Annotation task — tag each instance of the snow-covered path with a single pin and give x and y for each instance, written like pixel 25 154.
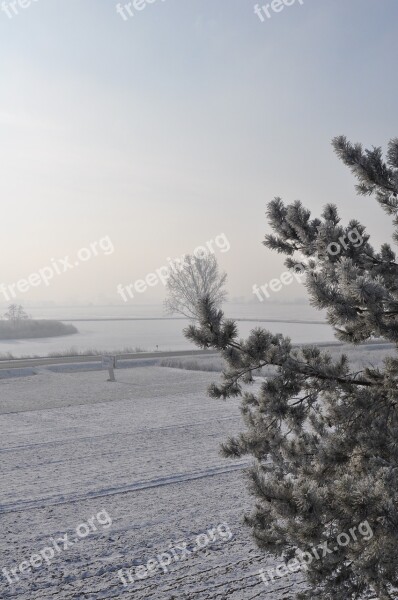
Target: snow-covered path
pixel 146 451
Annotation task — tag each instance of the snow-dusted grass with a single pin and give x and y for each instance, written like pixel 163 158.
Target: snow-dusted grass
pixel 366 355
pixel 359 356
pixel 72 351
pixel 146 450
pixel 211 364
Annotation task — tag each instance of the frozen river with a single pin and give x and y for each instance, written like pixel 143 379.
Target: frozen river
pixel 148 328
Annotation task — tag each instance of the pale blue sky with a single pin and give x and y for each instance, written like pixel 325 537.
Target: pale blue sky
pixel 178 125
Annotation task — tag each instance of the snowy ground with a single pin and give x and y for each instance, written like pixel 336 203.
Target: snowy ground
pixel 146 451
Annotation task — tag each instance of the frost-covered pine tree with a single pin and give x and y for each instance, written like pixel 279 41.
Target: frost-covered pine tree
pixel 323 437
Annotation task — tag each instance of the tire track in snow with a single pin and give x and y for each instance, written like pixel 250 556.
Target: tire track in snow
pixel 135 487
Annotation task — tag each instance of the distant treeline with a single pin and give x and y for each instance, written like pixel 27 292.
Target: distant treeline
pixel 32 328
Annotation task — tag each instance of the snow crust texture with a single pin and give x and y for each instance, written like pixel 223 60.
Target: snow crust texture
pixel 146 451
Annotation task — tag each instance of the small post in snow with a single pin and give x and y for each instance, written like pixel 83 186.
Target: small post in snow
pixel 109 362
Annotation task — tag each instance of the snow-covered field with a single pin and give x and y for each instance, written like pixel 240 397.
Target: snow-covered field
pixel 146 451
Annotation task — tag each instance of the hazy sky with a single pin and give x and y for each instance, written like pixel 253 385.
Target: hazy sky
pixel 177 125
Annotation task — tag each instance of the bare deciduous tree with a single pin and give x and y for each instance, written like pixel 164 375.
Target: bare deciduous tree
pixel 193 281
pixel 16 314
